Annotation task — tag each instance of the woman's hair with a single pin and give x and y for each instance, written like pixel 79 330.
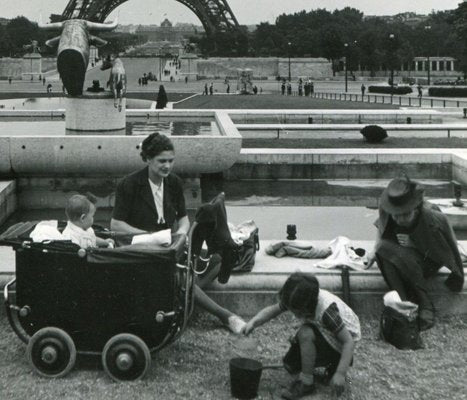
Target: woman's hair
pixel 154 145
pixel 79 205
pixel 300 293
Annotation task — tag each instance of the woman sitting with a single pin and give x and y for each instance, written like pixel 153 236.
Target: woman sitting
pixel 414 242
pixel 152 200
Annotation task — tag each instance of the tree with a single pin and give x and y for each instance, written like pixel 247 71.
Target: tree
pixel 20 32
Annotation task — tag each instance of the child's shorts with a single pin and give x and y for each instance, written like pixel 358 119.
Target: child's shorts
pixel 326 355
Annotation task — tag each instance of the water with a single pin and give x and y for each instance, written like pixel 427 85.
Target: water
pixel 36 103
pixel 58 103
pixel 145 127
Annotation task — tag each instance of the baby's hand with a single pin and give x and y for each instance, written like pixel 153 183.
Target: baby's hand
pixel 110 243
pixel 248 328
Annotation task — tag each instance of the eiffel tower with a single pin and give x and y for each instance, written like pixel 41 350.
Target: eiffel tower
pixel 215 15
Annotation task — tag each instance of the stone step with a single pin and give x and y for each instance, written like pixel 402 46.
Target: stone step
pixel 246 293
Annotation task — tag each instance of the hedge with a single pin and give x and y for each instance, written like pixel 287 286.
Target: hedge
pixel 447 92
pixel 387 89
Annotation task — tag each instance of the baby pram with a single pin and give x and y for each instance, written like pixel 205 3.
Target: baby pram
pixel 122 304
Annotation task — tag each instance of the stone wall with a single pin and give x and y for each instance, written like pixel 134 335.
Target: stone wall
pixel 10 67
pixel 269 67
pixel 13 66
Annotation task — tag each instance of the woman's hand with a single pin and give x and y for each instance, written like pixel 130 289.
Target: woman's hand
pixel 338 383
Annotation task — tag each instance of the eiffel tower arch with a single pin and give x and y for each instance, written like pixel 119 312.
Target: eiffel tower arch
pixel 215 15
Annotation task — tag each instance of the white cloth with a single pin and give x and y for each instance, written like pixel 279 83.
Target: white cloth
pixel 242 231
pixel 83 238
pixel 342 254
pixel 158 195
pixel 46 230
pixel 161 238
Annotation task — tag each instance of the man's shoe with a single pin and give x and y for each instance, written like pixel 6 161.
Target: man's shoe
pixel 235 324
pixel 297 390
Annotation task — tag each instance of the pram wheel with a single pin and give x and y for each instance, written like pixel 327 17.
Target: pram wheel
pixel 51 352
pixel 126 357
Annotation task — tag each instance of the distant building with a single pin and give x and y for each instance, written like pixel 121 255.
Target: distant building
pixel 168 32
pixel 126 28
pixel 407 18
pixel 4 21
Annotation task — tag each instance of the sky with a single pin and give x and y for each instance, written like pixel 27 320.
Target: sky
pixel 247 12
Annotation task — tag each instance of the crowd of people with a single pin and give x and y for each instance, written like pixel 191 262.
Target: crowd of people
pixel 306 88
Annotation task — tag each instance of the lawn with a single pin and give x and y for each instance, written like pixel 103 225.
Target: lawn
pixel 196 367
pixel 273 102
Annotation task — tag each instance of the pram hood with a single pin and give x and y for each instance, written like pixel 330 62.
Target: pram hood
pixel 126 253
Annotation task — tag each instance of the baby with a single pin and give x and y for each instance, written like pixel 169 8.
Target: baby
pixel 80 212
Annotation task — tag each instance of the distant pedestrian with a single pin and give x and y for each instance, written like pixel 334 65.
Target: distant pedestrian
pixel 43 81
pixel 211 88
pixel 255 89
pixel 49 88
pixel 312 88
pixel 9 80
pixel 205 89
pixel 420 91
pixel 139 81
pixel 161 101
pixel 300 89
pixel 363 88
pixel 228 88
pixel 289 89
pixel 186 79
pixel 283 88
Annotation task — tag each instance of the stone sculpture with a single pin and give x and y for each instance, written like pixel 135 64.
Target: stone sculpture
pixel 73 49
pixel 117 79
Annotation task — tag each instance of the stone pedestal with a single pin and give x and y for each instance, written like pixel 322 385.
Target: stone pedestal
pixel 94 112
pixel 31 66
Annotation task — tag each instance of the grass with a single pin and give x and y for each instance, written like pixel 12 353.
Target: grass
pixel 272 102
pixel 196 366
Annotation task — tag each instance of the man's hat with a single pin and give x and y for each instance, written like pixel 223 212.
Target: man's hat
pixel 401 196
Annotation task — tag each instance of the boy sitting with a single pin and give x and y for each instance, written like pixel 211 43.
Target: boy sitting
pixel 326 337
pixel 80 212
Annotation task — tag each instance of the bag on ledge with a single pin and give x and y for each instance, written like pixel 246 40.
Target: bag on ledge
pixel 246 253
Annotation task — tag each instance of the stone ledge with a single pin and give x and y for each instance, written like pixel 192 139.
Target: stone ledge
pixel 246 293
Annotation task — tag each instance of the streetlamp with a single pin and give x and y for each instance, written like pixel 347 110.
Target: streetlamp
pixel 391 38
pixel 427 29
pixel 346 46
pixel 288 53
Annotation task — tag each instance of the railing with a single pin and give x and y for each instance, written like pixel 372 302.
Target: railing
pixel 394 99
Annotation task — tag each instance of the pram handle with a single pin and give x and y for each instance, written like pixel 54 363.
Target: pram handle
pixel 6 290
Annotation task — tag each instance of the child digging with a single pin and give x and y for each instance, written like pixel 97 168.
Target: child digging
pixel 326 337
pixel 80 212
